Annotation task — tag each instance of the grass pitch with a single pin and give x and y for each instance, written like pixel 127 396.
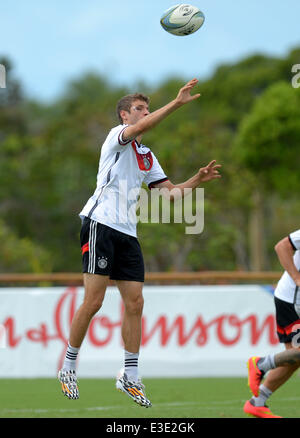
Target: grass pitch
pixel 171 398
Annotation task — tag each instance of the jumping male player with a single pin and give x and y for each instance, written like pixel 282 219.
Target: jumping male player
pixel 281 366
pixel 108 237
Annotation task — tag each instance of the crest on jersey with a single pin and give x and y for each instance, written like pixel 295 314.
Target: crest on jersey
pixel 144 157
pixel 147 163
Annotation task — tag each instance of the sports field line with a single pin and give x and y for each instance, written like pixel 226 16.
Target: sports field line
pixel 108 408
pixel 101 408
pixel 158 405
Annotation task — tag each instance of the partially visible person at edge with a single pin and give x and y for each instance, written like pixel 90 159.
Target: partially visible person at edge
pixel 279 367
pixel 109 243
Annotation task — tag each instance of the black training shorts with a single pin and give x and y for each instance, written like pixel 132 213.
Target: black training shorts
pixel 287 320
pixel 106 251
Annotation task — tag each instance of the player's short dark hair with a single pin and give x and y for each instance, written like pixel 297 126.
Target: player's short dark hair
pixel 126 102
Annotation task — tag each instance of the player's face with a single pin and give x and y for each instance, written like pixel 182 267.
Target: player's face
pixel 138 110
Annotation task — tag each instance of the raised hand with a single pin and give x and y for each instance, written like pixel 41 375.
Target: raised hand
pixel 184 94
pixel 209 172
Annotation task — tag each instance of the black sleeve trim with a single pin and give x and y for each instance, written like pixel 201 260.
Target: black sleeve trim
pixel 121 142
pixel 291 242
pixel 151 185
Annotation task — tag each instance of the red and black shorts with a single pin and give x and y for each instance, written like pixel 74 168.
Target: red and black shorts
pixel 286 319
pixel 106 251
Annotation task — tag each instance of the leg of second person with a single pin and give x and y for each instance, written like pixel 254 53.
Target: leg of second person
pixel 278 376
pixel 275 378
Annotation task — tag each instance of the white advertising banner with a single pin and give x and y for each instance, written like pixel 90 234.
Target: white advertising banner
pixel 186 331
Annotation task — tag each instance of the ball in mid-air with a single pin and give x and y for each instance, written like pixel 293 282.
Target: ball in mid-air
pixel 182 19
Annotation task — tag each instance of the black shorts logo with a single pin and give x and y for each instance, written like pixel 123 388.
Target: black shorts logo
pixel 102 262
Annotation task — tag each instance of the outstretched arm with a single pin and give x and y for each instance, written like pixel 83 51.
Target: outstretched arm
pixel 151 120
pixel 205 174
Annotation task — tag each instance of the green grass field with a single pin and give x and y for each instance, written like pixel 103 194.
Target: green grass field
pixel 171 398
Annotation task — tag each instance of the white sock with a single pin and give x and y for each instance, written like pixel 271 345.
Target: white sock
pixel 264 394
pixel 131 365
pixel 266 363
pixel 70 358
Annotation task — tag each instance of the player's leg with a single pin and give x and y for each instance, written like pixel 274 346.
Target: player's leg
pixel 128 382
pixel 95 287
pixel 129 272
pixel 278 376
pixel 97 260
pixel 279 367
pixel 94 292
pixel 275 378
pixel 132 296
pixel 287 327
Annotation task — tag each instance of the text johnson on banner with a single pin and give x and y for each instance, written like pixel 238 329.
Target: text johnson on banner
pixel 198 331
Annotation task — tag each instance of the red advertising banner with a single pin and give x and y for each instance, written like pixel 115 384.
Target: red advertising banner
pixel 186 331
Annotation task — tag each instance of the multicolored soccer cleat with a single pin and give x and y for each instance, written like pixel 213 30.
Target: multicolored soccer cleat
pixel 254 375
pixel 258 411
pixel 135 390
pixel 68 382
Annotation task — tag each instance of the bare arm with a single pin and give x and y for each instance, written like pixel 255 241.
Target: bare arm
pixel 285 253
pixel 151 120
pixel 204 174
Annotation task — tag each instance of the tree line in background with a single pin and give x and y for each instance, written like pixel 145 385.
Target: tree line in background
pixel 248 119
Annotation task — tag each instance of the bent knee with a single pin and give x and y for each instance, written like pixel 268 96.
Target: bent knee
pixel 135 306
pixel 92 307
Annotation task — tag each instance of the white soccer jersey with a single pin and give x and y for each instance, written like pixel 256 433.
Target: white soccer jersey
pixel 286 289
pixel 123 167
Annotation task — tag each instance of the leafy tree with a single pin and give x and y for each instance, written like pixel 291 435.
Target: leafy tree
pixel 267 145
pixel 246 119
pixel 21 254
pixel 269 137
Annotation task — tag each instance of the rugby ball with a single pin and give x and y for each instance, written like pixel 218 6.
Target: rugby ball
pixel 182 19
